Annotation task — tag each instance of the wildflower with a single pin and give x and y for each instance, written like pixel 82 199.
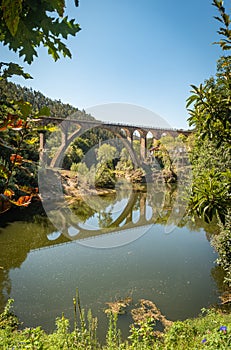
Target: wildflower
pixel 223 329
pixel 204 340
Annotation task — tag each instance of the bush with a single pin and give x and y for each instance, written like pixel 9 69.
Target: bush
pixel 105 177
pixel 222 243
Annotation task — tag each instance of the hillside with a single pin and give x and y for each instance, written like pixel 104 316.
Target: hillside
pixel 11 91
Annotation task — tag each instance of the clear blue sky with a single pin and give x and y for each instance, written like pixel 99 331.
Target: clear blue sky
pixel 145 53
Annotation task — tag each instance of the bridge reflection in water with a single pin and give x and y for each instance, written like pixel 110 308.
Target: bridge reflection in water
pixel 118 218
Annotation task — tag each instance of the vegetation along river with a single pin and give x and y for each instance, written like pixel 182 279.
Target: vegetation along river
pixel 132 243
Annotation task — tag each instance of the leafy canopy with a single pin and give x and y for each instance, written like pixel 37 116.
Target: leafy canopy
pixel 210 114
pixel 27 24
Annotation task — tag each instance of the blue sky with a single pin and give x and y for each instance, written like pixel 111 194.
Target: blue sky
pixel 145 53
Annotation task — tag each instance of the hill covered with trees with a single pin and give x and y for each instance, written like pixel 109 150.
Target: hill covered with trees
pixel 11 91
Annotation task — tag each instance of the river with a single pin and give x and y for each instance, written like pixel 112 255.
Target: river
pixel 132 243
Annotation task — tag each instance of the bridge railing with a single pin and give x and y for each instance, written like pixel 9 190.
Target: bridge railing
pixel 139 126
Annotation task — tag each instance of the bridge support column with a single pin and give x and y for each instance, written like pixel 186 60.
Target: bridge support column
pixel 143 147
pixel 42 141
pixel 129 217
pixel 130 138
pixel 64 134
pixel 143 199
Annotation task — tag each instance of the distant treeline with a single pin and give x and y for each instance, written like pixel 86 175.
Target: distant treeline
pixel 16 92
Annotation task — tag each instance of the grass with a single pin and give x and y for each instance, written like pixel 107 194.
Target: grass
pixel 211 330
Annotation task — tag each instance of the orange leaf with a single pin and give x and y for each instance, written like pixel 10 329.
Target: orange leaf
pixel 16 158
pixel 23 201
pixel 17 124
pixel 8 193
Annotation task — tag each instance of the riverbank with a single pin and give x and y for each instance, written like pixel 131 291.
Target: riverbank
pixel 210 330
pixel 73 191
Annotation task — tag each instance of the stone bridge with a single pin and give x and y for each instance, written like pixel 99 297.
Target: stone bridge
pixel 124 132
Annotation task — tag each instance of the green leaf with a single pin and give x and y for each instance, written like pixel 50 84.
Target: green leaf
pixel 25 108
pixel 12 69
pixel 25 25
pixel 4 172
pixel 44 111
pixel 191 99
pixel 218 19
pixel 11 14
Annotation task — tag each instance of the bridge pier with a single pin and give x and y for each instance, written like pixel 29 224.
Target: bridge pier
pixel 64 136
pixel 143 199
pixel 42 141
pixel 130 132
pixel 143 146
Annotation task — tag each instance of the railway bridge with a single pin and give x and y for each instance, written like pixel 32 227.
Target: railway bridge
pixel 125 132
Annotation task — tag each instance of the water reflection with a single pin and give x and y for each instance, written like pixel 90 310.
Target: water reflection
pixel 125 209
pixel 172 270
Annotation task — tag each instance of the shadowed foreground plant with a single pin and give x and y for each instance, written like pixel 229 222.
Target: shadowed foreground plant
pixel 8 318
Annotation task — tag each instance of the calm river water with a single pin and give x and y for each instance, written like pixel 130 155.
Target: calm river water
pixel 130 243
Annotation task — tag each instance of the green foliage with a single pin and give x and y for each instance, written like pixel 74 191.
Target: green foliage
pixel 180 336
pixel 11 92
pixel 86 176
pixel 211 153
pixel 222 243
pixel 106 153
pixel 104 177
pixel 211 117
pixel 211 330
pixel 206 331
pixel 210 194
pixel 211 109
pixel 74 167
pixel 7 317
pixel 211 102
pixel 73 156
pixel 113 337
pixel 163 157
pixel 7 70
pixel 25 25
pixel 18 140
pixel 125 163
pixel 225 43
pixel 19 133
pixel 105 174
pixel 143 334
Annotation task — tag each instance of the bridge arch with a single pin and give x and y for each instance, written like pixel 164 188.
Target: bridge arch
pixel 66 141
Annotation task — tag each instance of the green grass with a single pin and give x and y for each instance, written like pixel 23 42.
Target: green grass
pixel 211 330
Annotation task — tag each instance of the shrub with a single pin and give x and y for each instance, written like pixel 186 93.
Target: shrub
pixel 222 243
